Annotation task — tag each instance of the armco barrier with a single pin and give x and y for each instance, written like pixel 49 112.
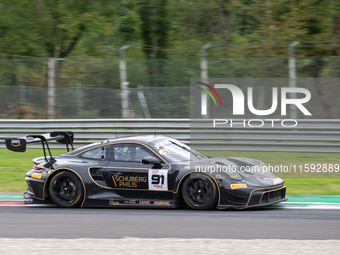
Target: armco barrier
pixel 308 136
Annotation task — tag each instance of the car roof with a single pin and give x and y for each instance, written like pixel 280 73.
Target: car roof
pixel 144 139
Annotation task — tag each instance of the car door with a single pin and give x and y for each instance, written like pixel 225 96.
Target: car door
pixel 97 159
pixel 131 178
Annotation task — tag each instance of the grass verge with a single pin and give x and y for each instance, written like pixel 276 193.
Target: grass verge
pixel 13 167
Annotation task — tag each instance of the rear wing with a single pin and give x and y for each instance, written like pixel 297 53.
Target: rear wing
pixel 19 144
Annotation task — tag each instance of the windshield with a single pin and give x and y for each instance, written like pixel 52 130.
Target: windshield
pixel 176 151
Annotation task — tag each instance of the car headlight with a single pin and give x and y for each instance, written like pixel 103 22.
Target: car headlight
pixel 234 175
pixel 229 170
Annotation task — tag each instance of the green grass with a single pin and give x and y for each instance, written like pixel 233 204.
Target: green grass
pixel 312 186
pixel 13 167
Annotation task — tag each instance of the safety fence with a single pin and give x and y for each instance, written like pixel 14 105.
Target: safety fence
pixel 306 136
pixel 20 102
pixel 105 73
pixel 93 88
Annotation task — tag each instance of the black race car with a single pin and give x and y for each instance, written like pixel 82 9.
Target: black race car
pixel 144 171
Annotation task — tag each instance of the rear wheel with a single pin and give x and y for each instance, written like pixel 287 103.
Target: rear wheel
pixel 66 190
pixel 199 192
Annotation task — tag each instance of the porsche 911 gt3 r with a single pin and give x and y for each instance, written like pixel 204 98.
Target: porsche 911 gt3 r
pixel 144 171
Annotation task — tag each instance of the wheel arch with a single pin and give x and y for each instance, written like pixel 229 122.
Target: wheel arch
pixel 187 175
pixel 49 178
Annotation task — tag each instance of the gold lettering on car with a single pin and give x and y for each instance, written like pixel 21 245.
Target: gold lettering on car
pixel 128 181
pixel 144 202
pixel 113 202
pixel 161 203
pixel 130 202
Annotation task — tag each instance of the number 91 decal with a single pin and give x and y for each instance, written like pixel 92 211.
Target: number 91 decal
pixel 158 179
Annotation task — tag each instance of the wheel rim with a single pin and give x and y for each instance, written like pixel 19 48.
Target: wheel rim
pixel 199 191
pixel 65 189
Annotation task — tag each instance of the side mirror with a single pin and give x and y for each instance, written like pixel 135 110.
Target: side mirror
pixel 150 160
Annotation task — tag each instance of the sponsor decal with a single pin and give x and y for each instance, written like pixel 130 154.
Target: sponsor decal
pixel 36 176
pixel 128 181
pixel 15 142
pixel 238 186
pixel 18 145
pixel 277 181
pixel 218 176
pixel 113 202
pixel 163 143
pixel 162 147
pixel 130 202
pixel 144 202
pixel 161 203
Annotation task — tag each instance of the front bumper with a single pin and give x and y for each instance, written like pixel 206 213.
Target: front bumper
pixel 241 199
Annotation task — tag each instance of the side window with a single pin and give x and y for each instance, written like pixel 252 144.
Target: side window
pixel 97 153
pixel 131 153
pixel 123 153
pixel 141 153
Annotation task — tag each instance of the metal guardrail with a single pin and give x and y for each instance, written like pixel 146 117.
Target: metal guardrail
pixel 307 136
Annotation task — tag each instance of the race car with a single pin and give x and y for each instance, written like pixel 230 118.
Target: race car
pixel 144 171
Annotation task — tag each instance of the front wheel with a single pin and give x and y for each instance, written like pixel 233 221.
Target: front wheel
pixel 199 192
pixel 66 190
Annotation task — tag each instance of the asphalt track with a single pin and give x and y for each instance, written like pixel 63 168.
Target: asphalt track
pixel 267 223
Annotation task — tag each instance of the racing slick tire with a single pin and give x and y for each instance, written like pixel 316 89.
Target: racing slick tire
pixel 199 192
pixel 66 189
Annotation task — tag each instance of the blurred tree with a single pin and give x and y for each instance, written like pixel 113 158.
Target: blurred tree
pixel 173 29
pixel 276 23
pixel 312 22
pixel 145 13
pixel 127 26
pixel 49 28
pixel 154 27
pixel 161 29
pixel 154 32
